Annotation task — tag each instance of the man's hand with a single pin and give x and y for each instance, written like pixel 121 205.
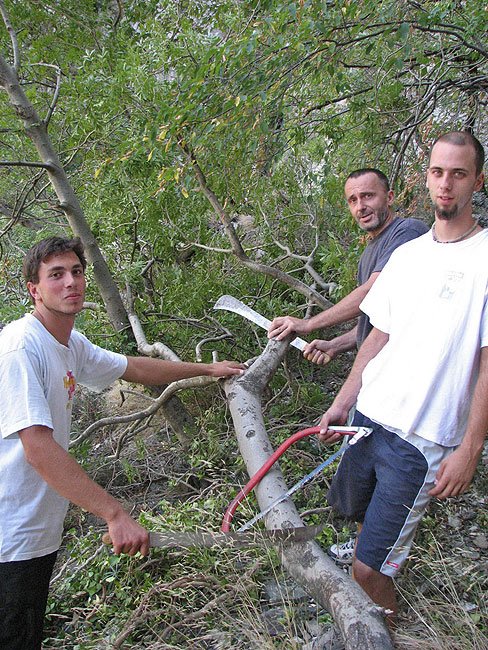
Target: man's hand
pixel 127 535
pixel 226 368
pixel 319 351
pixel 454 474
pixel 335 415
pixel 284 325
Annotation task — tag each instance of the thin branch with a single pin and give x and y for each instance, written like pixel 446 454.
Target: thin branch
pixel 25 163
pixel 54 101
pixel 182 384
pixel 237 248
pixel 13 38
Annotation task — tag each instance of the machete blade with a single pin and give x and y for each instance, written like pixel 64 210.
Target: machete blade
pixel 229 303
pixel 183 540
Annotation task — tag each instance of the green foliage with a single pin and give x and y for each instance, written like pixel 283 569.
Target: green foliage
pixel 275 102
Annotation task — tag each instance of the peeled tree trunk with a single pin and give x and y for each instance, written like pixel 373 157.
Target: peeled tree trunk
pixel 36 129
pixel 360 620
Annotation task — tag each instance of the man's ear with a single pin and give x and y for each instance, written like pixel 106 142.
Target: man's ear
pixel 479 182
pixel 32 288
pixel 391 197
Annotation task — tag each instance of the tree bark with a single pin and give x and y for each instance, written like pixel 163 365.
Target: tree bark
pixel 35 128
pixel 360 620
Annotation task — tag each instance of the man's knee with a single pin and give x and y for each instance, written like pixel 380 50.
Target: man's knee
pixel 365 575
pixel 361 572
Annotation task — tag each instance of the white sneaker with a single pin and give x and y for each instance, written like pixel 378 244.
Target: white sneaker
pixel 342 553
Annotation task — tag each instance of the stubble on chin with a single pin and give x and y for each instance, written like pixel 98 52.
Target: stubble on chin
pixel 446 214
pixel 381 218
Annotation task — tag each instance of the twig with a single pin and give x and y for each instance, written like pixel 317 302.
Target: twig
pixel 13 38
pixel 182 384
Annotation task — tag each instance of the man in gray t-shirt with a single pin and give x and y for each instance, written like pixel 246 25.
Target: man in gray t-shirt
pixel 370 202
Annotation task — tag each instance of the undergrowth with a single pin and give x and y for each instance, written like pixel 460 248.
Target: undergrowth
pixel 213 599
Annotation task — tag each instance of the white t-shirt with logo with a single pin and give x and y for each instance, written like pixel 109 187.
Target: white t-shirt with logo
pixel 431 299
pixel 38 376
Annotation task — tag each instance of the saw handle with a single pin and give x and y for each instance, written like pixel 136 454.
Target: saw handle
pixel 262 471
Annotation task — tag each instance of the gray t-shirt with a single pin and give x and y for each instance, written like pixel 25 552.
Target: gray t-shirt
pixel 377 253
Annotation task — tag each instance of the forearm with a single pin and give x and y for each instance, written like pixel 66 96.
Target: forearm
pixel 155 372
pixel 346 397
pixel 477 426
pixel 456 471
pixel 345 310
pixel 375 341
pixel 345 342
pixel 60 470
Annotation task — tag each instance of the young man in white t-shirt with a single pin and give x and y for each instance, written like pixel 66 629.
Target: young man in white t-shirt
pixel 420 379
pixel 41 361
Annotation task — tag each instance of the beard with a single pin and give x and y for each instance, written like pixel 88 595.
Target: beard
pixel 446 214
pixel 381 215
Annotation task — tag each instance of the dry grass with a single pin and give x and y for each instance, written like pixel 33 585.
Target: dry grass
pixel 439 613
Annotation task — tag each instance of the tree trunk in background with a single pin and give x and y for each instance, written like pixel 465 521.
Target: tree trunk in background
pixel 36 130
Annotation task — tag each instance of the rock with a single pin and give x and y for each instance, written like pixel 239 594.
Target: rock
pixel 481 541
pixel 331 639
pixel 469 514
pixel 469 607
pixel 274 621
pixel 454 521
pixel 277 592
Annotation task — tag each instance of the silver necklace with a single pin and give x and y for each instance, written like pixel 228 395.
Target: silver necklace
pixel 453 241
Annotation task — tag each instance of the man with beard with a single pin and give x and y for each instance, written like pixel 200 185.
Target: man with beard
pixel 370 202
pixel 420 379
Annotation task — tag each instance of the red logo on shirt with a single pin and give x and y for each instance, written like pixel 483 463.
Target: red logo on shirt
pixel 70 384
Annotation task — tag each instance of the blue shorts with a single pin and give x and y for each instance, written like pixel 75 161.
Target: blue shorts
pixel 383 482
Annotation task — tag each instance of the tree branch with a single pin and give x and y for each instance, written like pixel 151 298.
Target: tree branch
pixel 24 163
pixel 236 245
pixel 13 38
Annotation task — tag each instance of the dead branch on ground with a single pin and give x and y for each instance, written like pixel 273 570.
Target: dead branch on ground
pixel 360 620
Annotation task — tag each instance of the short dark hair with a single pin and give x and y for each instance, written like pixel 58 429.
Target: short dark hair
pixel 370 170
pixel 44 249
pixel 465 139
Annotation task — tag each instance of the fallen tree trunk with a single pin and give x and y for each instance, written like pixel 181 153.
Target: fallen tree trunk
pixel 359 619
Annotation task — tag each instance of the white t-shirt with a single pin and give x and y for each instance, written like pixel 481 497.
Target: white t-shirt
pixel 38 376
pixel 431 299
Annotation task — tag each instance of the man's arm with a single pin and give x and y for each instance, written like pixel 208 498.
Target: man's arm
pixel 321 352
pixel 346 309
pixel 456 471
pixel 60 470
pixel 346 397
pixel 154 372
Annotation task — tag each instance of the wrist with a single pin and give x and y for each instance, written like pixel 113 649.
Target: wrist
pixel 344 402
pixel 472 447
pixel 112 510
pixel 309 326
